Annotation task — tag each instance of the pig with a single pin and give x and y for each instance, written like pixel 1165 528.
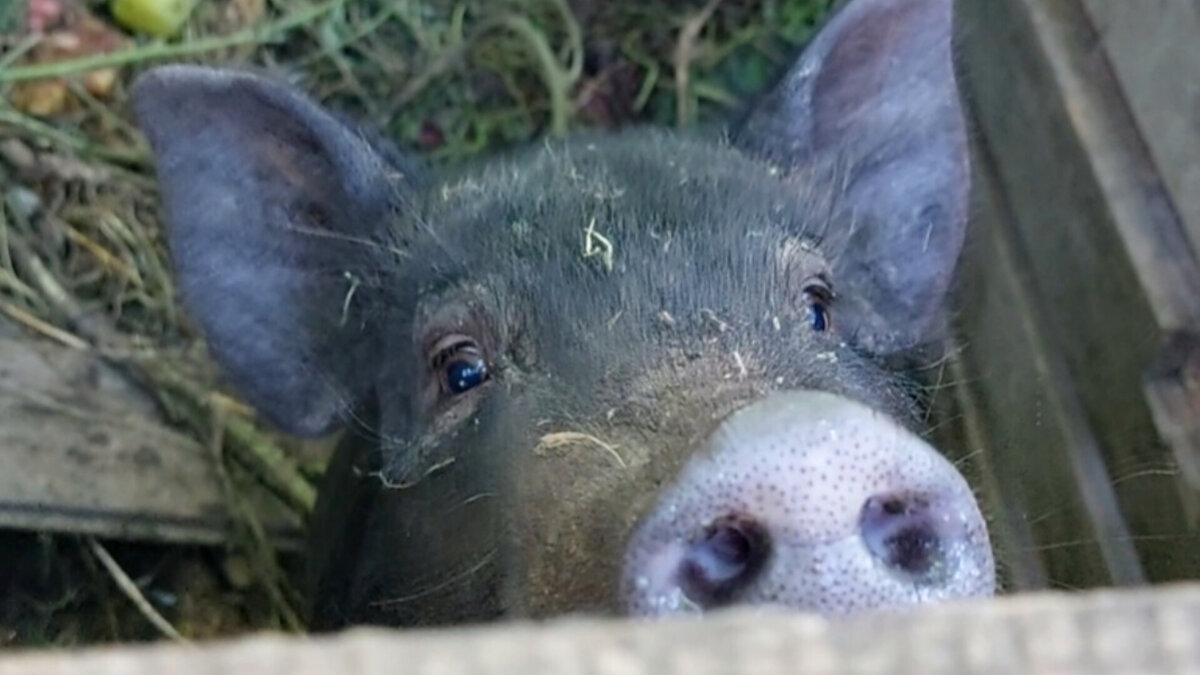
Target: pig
pixel 641 372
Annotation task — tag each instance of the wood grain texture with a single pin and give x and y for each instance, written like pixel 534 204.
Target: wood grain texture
pixel 1129 632
pixel 83 451
pixel 1172 386
pixel 1100 255
pixel 1041 466
pixel 1155 55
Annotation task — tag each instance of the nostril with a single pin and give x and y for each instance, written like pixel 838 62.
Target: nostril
pixel 726 560
pixel 901 530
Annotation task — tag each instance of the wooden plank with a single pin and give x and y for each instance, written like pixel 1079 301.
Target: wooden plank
pixel 1096 633
pixel 1104 253
pixel 83 451
pixel 961 433
pixel 1081 102
pixel 1155 54
pixel 1173 391
pixel 1050 488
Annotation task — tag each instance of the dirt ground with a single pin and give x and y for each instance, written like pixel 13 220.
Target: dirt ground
pixel 82 263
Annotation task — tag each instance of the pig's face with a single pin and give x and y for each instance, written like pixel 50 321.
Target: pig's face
pixel 632 372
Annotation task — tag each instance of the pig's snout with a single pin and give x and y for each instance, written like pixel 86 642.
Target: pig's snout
pixel 728 557
pixel 816 502
pixel 910 534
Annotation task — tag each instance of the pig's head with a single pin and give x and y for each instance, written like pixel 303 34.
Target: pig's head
pixel 629 372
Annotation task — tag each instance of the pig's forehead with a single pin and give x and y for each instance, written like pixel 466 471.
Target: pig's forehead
pixel 629 223
pixel 628 185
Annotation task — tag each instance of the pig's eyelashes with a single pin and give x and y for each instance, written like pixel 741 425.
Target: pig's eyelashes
pixel 818 296
pixel 459 363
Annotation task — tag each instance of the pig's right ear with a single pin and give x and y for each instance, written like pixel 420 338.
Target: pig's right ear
pixel 871 116
pixel 274 212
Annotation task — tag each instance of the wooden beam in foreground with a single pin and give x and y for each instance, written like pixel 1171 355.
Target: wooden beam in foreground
pixel 1142 631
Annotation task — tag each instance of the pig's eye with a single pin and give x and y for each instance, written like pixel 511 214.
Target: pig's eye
pixel 459 361
pixel 817 296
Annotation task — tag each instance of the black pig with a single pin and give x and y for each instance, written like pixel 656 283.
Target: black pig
pixel 636 372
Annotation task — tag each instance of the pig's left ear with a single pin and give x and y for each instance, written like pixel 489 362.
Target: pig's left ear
pixel 874 109
pixel 275 213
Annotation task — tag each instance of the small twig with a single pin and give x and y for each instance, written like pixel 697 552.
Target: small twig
pixel 684 49
pixel 160 50
pixel 564 438
pixel 54 294
pixel 106 113
pixel 134 158
pixel 559 80
pixel 630 48
pixel 250 446
pixel 23 47
pixel 104 593
pixel 741 365
pixel 440 64
pixel 555 77
pixel 37 325
pixel 711 320
pixel 598 245
pixel 10 282
pixel 574 39
pixel 131 591
pixel 106 259
pixel 244 517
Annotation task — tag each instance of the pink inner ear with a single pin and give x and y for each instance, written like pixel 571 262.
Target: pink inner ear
pixel 855 74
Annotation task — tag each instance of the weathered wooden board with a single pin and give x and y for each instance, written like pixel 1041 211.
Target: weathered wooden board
pixel 1154 49
pixel 1020 426
pixel 1173 391
pixel 1098 633
pixel 83 451
pixel 1106 279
